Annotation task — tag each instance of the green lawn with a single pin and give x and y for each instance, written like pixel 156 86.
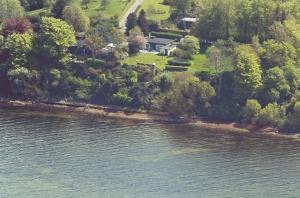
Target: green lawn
pixel 114 8
pixel 155 10
pixel 198 62
pixel 147 58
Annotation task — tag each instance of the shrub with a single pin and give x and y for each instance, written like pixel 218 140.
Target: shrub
pixel 180 62
pixel 176 68
pixel 272 115
pixel 121 98
pixel 251 111
pixel 95 63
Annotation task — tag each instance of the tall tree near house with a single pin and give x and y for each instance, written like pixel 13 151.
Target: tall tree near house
pixel 94 44
pixel 215 57
pixel 143 23
pixel 75 16
pixel 136 40
pixel 131 22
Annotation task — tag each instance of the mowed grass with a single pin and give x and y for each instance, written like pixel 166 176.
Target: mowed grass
pixel 199 62
pixel 155 10
pixel 147 58
pixel 113 8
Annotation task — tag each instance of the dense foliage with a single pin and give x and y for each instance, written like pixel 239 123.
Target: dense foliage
pixel 252 46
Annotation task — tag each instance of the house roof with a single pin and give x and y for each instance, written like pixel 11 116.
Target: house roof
pixel 160 41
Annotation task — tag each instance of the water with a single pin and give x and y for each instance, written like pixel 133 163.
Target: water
pixel 50 157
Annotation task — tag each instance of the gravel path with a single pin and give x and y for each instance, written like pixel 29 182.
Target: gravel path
pixel 133 8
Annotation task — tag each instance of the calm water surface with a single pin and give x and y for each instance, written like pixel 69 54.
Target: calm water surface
pixel 48 157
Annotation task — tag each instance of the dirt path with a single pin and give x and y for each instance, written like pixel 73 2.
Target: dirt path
pixel 133 8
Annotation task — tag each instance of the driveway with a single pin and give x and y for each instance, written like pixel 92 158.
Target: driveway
pixel 132 9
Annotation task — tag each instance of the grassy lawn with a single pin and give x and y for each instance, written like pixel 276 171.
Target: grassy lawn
pixel 147 58
pixel 114 8
pixel 155 10
pixel 198 62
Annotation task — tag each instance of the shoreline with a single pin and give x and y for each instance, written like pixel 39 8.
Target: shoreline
pixel 96 111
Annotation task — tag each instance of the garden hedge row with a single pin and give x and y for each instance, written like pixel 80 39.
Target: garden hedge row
pixel 167 35
pixel 175 62
pixel 176 68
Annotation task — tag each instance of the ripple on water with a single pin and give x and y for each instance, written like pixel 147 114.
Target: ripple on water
pixel 43 156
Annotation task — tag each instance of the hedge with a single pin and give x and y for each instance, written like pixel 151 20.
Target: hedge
pixel 167 35
pixel 172 31
pixel 176 68
pixel 176 62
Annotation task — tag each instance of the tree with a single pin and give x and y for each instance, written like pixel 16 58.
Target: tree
pixel 16 25
pixel 94 44
pixel 131 22
pixel 19 46
pixel 23 78
pixel 74 15
pixel 272 115
pixel 187 94
pixel 276 87
pixel 216 58
pixel 216 20
pixel 143 23
pixel 58 8
pixel 104 3
pixel 10 9
pixel 251 111
pixel 86 3
pixel 136 40
pixel 248 72
pixel 190 44
pixel 53 40
pixel 275 53
pixel 188 47
pixel 182 6
pixel 35 4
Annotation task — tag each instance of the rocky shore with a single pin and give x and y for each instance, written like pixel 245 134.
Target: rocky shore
pixel 96 111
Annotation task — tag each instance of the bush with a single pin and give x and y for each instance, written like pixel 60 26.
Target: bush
pixel 121 99
pixel 95 63
pixel 180 62
pixel 180 53
pixel 176 68
pixel 167 35
pixel 272 115
pixel 251 111
pixel 220 112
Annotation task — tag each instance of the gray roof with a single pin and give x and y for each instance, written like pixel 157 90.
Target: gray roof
pixel 160 41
